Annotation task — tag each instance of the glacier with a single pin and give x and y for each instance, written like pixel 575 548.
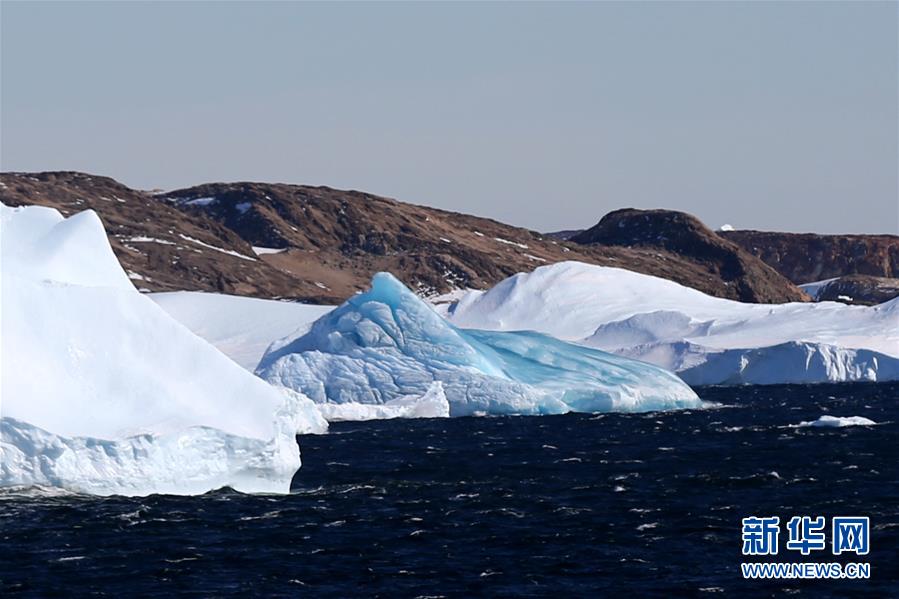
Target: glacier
pixel 706 340
pixel 103 392
pixel 387 344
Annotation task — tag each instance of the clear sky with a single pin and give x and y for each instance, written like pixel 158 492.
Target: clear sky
pixel 763 115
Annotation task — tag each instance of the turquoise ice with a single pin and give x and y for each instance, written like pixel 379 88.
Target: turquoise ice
pixel 388 343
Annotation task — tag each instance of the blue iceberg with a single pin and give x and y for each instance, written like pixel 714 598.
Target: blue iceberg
pixel 388 343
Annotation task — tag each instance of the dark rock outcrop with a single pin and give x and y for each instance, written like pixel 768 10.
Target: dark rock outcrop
pixel 808 257
pixel 685 235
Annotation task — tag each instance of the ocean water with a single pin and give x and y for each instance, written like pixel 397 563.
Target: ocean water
pixel 584 505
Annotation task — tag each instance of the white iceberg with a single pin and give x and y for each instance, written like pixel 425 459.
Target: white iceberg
pixel 838 422
pixel 103 392
pixel 682 329
pixel 388 343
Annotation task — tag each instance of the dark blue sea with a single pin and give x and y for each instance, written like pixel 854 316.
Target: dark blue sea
pixel 575 505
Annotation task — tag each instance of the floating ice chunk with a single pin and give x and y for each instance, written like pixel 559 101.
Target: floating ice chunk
pixel 838 421
pixel 387 343
pixel 432 404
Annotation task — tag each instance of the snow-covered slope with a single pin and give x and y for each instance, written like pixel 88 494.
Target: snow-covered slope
pixel 103 392
pixel 388 343
pixel 712 339
pixel 240 327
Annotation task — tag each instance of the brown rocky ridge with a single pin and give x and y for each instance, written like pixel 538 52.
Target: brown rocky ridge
pixel 321 245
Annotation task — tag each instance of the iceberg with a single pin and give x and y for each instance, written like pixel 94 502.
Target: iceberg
pixel 387 344
pixel 791 363
pixel 189 461
pixel 707 340
pixel 103 392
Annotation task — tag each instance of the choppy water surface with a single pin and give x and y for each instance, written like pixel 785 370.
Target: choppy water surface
pixel 578 504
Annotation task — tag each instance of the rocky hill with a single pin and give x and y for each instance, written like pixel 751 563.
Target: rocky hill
pixel 321 245
pixel 685 235
pixel 161 249
pixel 808 257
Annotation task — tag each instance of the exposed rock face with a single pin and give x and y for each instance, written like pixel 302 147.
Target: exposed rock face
pixel 322 245
pixel 685 235
pixel 807 257
pixel 563 235
pixel 859 289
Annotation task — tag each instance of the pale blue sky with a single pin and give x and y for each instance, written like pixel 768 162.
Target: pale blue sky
pixel 547 115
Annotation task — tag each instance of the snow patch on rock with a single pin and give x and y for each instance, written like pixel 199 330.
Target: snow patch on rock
pixel 262 251
pixel 215 248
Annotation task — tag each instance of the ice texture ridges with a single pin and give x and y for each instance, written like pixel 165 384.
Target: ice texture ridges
pixel 388 343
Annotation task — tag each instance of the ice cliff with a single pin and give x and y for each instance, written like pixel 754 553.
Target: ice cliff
pixel 103 392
